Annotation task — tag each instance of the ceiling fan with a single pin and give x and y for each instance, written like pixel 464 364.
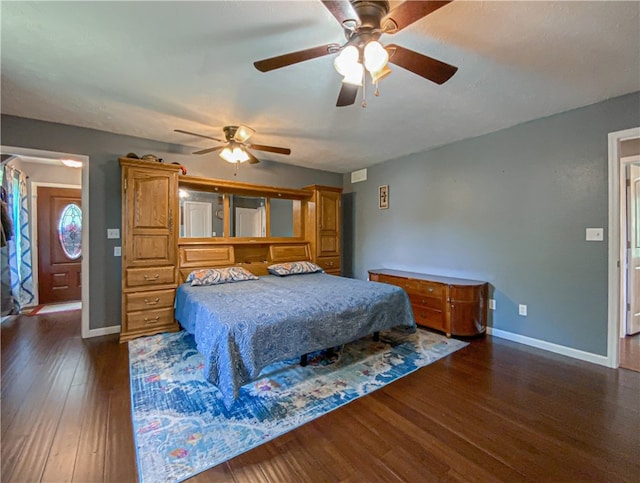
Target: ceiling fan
pixel 236 148
pixel 364 21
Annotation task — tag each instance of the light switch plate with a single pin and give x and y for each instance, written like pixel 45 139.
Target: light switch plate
pixel 492 304
pixel 595 234
pixel 117 251
pixel 113 232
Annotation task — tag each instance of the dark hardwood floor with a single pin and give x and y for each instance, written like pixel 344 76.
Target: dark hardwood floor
pixel 494 411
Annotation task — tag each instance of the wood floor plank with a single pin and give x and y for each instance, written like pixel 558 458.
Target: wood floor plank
pixel 493 411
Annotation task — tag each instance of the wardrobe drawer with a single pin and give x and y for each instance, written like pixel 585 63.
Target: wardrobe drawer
pixel 139 277
pixel 157 299
pixel 329 263
pixel 149 319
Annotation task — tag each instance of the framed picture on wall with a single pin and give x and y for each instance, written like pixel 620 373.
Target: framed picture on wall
pixel 383 197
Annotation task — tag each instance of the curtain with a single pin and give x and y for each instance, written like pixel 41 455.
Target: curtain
pixel 14 183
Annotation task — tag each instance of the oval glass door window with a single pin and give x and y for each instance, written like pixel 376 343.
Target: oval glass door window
pixel 70 231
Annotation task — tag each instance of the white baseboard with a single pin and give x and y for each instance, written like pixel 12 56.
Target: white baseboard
pixel 114 329
pixel 549 346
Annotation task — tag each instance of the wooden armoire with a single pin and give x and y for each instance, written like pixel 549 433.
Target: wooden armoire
pixel 324 227
pixel 149 247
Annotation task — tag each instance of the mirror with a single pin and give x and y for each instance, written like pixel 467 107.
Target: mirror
pixel 248 216
pixel 201 214
pixel 281 217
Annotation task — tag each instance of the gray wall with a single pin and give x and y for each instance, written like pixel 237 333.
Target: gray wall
pixel 103 150
pixel 510 208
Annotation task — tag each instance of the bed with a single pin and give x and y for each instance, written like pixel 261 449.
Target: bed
pixel 240 328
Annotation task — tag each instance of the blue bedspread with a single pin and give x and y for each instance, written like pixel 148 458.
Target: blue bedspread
pixel 242 327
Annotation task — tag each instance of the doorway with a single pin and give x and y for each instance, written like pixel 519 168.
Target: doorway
pixel 624 150
pixel 630 321
pixel 55 157
pixel 59 236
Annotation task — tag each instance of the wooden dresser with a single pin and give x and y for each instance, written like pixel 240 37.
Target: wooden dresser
pixel 454 306
pixel 324 227
pixel 149 247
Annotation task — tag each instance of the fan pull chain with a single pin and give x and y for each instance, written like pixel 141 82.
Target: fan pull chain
pixel 364 89
pixel 236 171
pixel 377 93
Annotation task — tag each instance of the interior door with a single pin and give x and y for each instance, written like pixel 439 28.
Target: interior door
pixel 197 219
pixel 633 265
pixel 250 222
pixel 59 230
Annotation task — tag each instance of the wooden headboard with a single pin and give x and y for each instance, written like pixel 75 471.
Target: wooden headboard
pixel 255 256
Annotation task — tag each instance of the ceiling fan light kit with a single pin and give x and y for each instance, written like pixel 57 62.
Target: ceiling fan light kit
pixel 364 22
pixel 236 149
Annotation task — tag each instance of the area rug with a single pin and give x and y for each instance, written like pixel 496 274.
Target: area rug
pixel 181 427
pixel 48 309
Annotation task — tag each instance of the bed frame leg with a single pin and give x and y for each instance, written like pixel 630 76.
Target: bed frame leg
pixel 376 336
pixel 303 360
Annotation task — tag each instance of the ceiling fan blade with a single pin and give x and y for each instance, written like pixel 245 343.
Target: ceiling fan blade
pixel 243 133
pixel 427 67
pixel 199 135
pixel 342 10
pixel 292 58
pixel 347 96
pixel 408 12
pixel 270 149
pixel 252 158
pixel 209 150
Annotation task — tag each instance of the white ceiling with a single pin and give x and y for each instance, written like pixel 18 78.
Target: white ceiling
pixel 147 68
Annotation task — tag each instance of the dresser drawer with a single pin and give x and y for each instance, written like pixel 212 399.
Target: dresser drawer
pixel 139 277
pixel 428 317
pixel 157 299
pixel 149 319
pixel 430 289
pixel 435 303
pixel 411 286
pixel 329 263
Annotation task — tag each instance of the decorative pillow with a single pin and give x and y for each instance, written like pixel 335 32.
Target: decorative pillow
pixel 216 276
pixel 293 268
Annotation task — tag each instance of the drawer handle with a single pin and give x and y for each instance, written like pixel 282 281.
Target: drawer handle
pixel 155 302
pixel 330 264
pixel 157 317
pixel 155 277
pixel 424 301
pixel 423 315
pixel 430 290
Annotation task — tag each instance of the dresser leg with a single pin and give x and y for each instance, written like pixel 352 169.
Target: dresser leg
pixel 448 334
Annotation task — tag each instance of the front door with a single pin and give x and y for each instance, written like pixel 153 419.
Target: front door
pixel 59 244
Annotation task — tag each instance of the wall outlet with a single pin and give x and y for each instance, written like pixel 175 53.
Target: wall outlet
pixel 113 233
pixel 522 309
pixel 117 251
pixel 492 304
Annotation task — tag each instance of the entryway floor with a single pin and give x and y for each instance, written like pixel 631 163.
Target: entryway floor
pixel 63 307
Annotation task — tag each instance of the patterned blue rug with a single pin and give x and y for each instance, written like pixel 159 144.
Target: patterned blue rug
pixel 181 427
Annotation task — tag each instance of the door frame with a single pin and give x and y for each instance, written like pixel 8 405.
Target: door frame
pixel 617 245
pixel 86 331
pixel 34 230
